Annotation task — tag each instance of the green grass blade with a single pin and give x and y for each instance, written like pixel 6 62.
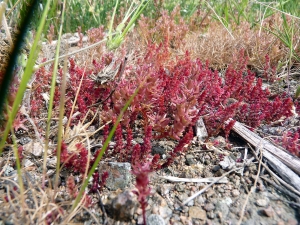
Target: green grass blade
pixel 9 70
pixel 297 94
pixel 112 21
pixel 26 76
pixel 115 42
pixel 52 90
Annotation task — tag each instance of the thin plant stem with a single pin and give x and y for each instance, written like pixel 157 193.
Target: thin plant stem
pixel 60 123
pixel 219 19
pixel 19 172
pixel 274 8
pixel 72 53
pixel 52 90
pixel 112 21
pixel 75 100
pixel 61 111
pixel 251 190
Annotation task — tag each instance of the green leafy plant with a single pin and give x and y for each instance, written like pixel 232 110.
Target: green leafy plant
pixel 122 29
pixel 287 34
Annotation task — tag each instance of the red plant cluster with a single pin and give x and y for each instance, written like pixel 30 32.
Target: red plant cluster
pixel 140 154
pixel 53 216
pixel 71 187
pixel 127 152
pixel 11 194
pixel 180 147
pixel 98 183
pixel 40 87
pixel 291 142
pixel 269 71
pixel 173 97
pixel 141 172
pixel 19 122
pixel 168 27
pixel 77 161
pixel 88 93
pixel 20 153
pixel 73 192
pixel 96 34
pixel 79 79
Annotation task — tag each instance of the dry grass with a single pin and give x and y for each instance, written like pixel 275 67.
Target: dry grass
pixel 218 47
pixel 38 205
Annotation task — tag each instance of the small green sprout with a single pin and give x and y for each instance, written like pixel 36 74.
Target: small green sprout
pixel 122 29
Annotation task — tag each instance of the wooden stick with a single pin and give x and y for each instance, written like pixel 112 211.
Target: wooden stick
pixel 283 163
pixel 195 180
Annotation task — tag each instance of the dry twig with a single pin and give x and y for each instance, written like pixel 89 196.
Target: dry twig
pixel 252 190
pixel 208 186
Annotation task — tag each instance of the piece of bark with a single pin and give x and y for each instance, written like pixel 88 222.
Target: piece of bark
pixel 286 165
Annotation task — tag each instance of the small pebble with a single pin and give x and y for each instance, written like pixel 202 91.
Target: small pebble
pixel 211 215
pixel 180 187
pixel 210 193
pixel 154 219
pixel 209 207
pixel 183 219
pixel 209 222
pixel 197 213
pixel 216 168
pixel 221 190
pixel 262 202
pixel 269 212
pixel 292 222
pixel 235 193
pixel 155 209
pixel 248 181
pixel 193 188
pixel 185 209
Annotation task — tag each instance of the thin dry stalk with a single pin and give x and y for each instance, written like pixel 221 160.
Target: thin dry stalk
pixel 282 189
pixel 220 20
pixel 277 179
pixel 75 100
pixel 75 211
pixel 92 214
pixel 208 186
pixel 252 189
pixel 8 35
pixel 60 124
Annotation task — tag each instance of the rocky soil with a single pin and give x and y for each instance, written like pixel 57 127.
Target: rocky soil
pixel 222 203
